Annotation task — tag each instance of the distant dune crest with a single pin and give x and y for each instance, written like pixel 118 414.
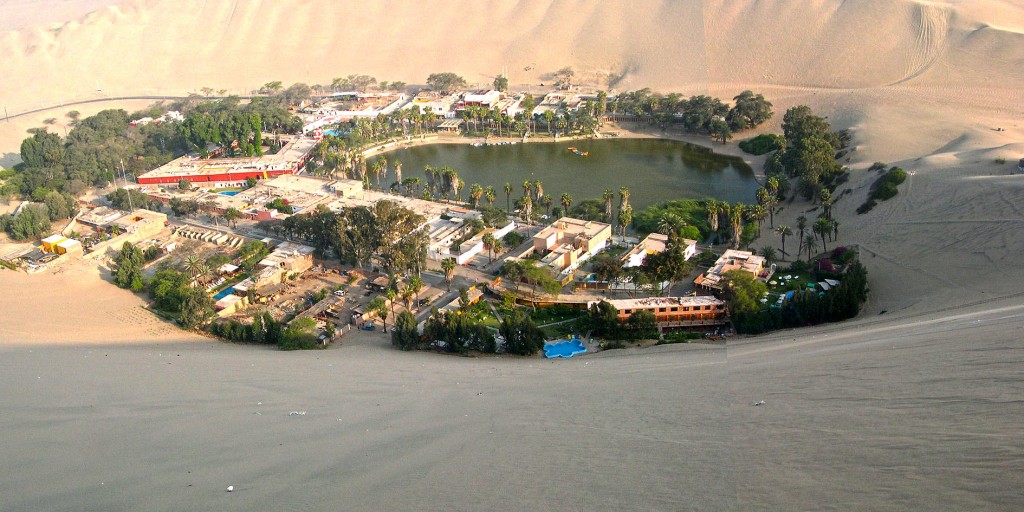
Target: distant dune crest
pixel 180 46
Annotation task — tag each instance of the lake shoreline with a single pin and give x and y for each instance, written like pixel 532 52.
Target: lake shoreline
pixel 609 130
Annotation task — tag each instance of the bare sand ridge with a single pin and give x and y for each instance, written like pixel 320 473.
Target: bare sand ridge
pixel 916 409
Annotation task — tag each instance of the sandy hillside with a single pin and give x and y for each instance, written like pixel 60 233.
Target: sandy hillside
pixel 915 409
pixel 75 303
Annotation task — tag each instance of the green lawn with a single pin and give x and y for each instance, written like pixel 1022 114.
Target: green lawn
pixel 481 313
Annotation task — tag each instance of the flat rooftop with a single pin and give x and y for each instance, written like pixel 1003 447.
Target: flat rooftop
pixel 573 227
pixel 191 165
pixel 660 302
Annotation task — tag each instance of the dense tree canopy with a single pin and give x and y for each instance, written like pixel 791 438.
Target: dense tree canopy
pixel 445 82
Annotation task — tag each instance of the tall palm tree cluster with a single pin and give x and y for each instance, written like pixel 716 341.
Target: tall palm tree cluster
pixel 583 120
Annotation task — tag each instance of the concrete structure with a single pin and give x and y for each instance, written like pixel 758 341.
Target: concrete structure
pixel 232 171
pixel 142 223
pixel 449 125
pixel 230 304
pixel 730 260
pixel 568 242
pixel 100 216
pixel 345 106
pixel 470 248
pixel 478 99
pixel 654 244
pixel 439 105
pixel 675 311
pixel 346 187
pixel 290 257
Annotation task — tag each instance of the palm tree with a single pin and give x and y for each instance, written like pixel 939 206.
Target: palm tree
pixel 809 242
pixel 475 193
pixel 508 197
pixel 527 208
pixel 758 213
pixel 768 253
pixel 378 306
pixel 448 266
pixel 566 203
pixel 497 246
pixel 826 202
pixel 608 196
pixel 407 294
pixel 377 170
pixel 547 201
pixel 670 223
pixel 489 195
pixel 488 240
pixel 801 225
pixel 391 295
pixel 773 197
pixel 625 218
pixel 736 220
pixel 398 171
pixel 538 190
pixel 549 117
pixel 823 228
pixel 416 283
pixel 193 265
pixel 527 187
pixel 713 209
pixel 783 232
pixel 623 197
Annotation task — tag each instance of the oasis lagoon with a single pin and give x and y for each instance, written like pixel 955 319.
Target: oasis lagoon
pixel 654 170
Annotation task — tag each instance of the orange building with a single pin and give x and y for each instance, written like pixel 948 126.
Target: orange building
pixel 676 311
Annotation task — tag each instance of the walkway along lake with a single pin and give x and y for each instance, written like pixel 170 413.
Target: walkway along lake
pixel 655 170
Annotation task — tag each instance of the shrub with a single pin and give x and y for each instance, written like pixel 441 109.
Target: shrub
pixel 764 143
pixel 883 188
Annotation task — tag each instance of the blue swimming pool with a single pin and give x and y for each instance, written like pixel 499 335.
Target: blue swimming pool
pixel 564 349
pixel 229 192
pixel 224 293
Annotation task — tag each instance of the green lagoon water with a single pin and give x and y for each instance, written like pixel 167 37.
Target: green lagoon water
pixel 655 170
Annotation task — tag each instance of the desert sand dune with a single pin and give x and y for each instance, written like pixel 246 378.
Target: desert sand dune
pixel 914 405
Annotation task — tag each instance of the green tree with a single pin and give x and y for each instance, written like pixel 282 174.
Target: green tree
pixel 445 83
pixel 129 263
pixel 488 241
pixel 379 306
pixel 232 215
pixel 604 319
pixel 501 83
pixel 749 110
pixel 521 335
pixel 743 291
pixel 196 308
pixel 404 334
pixel 720 130
pixel 301 334
pixel 448 266
pixel 783 232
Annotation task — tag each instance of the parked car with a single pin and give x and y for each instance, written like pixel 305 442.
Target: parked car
pixel 369 327
pixel 339 293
